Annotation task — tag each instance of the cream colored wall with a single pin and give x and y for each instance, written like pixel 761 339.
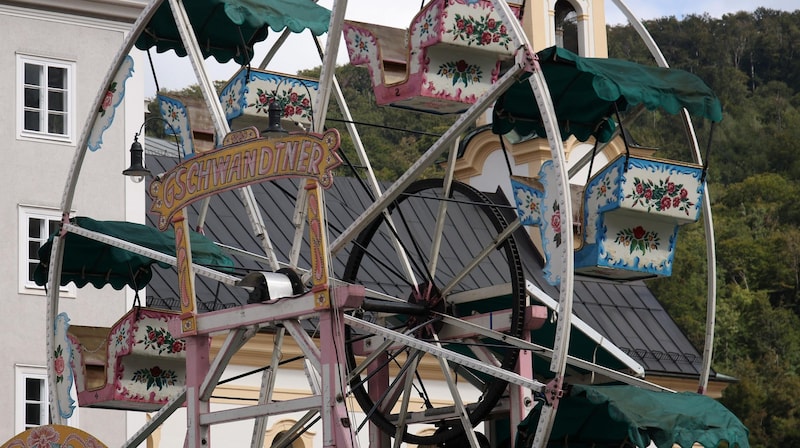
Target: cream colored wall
pixel 539 24
pixel 290 383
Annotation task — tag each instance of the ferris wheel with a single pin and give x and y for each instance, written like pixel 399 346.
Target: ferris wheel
pixel 390 290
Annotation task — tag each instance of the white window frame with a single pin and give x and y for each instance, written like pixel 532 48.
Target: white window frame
pixel 26 213
pixel 22 372
pixel 70 114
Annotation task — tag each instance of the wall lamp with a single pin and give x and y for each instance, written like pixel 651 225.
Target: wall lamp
pixel 137 170
pixel 274 114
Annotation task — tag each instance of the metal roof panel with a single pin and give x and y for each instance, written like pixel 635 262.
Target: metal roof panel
pixel 626 314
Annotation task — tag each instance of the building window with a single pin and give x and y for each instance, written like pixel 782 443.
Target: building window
pixel 35 401
pixel 36 224
pixel 32 397
pixel 566 22
pixel 45 98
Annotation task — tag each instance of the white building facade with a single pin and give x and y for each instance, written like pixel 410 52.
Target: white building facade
pixel 54 58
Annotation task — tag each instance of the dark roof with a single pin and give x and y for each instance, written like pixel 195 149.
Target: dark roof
pixel 627 314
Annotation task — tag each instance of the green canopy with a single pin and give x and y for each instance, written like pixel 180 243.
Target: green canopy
pixel 585 92
pixel 228 29
pixel 89 261
pixel 604 416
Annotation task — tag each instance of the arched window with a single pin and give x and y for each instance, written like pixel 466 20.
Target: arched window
pixel 279 429
pixel 279 436
pixel 566 26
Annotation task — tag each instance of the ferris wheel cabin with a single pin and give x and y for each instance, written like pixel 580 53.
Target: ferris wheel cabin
pixel 450 55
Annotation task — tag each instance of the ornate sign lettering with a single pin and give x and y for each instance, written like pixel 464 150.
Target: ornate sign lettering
pixel 245 159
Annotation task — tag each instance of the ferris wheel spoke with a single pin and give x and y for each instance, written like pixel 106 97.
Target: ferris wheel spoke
pixel 463 414
pixel 406 397
pixel 381 261
pixel 412 240
pixel 482 351
pixel 476 272
pixel 481 256
pixel 393 389
pixel 436 238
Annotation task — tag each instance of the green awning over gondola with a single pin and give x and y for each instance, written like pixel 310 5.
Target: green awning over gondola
pixel 585 92
pixel 87 261
pixel 606 416
pixel 228 29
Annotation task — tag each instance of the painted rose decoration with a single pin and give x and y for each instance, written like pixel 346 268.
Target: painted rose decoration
pixel 638 239
pixel 660 196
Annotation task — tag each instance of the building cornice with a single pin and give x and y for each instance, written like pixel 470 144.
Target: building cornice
pixel 115 10
pixel 689 384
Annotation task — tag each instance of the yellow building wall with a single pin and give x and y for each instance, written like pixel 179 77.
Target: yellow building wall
pixel 539 24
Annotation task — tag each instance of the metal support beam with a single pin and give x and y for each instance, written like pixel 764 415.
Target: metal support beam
pixel 267 387
pixel 449 355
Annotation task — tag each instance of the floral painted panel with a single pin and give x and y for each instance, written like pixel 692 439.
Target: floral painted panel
pixel 455 48
pixel 646 246
pixel 62 366
pixel 669 190
pixel 108 107
pixel 150 379
pixel 474 23
pixel 152 337
pixel 251 91
pixel 459 75
pixel 76 363
pixel 155 370
pixel 53 436
pixel 550 225
pixel 176 122
pixel 120 341
pixel 232 96
pixel 462 73
pixel 362 47
pixel 423 32
pixel 145 363
pixel 158 339
pixel 632 211
pixel 528 201
pixel 638 239
pixel 155 377
pixel 602 194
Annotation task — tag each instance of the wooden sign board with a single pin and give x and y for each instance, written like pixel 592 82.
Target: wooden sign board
pixel 245 158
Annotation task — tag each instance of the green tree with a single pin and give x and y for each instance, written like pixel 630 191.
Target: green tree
pixel 751 60
pixel 393 138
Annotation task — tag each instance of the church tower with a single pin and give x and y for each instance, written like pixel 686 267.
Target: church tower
pixel 577 25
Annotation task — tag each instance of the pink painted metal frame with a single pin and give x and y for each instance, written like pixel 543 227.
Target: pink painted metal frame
pixel 338 430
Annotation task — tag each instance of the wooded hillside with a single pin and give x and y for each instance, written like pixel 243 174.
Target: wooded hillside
pixel 752 61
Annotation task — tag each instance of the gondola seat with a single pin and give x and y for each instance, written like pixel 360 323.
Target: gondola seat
pixel 629 216
pixel 246 97
pixel 137 364
pixel 450 55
